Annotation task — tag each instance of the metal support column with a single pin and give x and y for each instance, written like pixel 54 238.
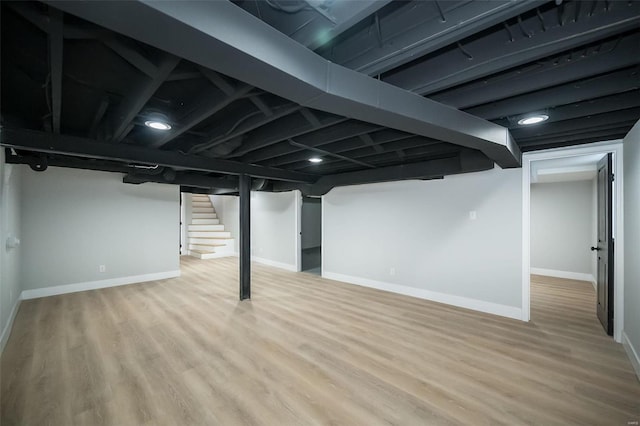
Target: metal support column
pixel 245 237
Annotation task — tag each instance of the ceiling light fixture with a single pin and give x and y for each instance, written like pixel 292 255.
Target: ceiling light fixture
pixel 315 160
pixel 533 119
pixel 157 121
pixel 158 125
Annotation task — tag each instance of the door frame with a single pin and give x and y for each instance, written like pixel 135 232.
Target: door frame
pixel 298 229
pixel 615 147
pixel 183 219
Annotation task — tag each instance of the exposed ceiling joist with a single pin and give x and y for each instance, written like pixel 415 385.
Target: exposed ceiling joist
pixel 164 175
pixel 98 116
pixel 617 102
pixel 419 33
pixel 575 138
pixel 130 54
pixel 354 148
pixel 407 147
pixel 209 104
pixel 576 65
pixel 313 23
pixel 602 129
pixel 281 130
pixel 465 162
pixel 57 144
pixel 496 53
pixel 184 75
pixel 265 58
pixel 30 13
pixel 569 126
pixel 66 161
pixel 210 185
pixel 330 154
pixel 331 134
pixel 183 178
pixel 250 124
pixel 345 14
pixel 605 85
pixel 118 125
pixel 368 140
pixel 55 36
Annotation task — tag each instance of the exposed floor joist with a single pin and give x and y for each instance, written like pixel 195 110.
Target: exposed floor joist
pixel 419 28
pixel 259 59
pixel 55 36
pixel 312 23
pixel 459 161
pixel 598 59
pixel 542 37
pixel 596 87
pixel 56 144
pixel 119 124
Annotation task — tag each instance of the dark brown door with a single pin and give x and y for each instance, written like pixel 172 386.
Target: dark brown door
pixel 605 244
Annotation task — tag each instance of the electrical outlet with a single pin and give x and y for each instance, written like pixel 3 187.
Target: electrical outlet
pixel 392 271
pixel 102 268
pixel 473 215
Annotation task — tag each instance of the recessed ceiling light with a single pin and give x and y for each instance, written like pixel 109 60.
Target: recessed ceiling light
pixel 315 160
pixel 158 125
pixel 533 119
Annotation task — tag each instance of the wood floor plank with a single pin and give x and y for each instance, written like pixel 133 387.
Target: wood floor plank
pixel 308 351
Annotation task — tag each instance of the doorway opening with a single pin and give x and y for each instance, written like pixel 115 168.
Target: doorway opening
pixel 202 232
pixel 311 235
pixel 572 234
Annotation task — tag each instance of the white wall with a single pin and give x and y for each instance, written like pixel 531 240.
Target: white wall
pixel 227 209
pixel 75 220
pixel 274 225
pixel 417 238
pixel 631 337
pixel 10 288
pixel 186 218
pixel 311 223
pixel 562 227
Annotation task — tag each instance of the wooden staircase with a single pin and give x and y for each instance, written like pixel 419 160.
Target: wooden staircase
pixel 207 238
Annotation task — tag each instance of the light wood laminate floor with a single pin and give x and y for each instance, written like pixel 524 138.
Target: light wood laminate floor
pixel 308 351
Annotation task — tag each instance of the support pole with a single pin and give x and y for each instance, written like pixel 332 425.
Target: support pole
pixel 245 237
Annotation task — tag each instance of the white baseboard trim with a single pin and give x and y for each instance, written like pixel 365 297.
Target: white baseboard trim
pixel 94 285
pixel 632 353
pixel 564 274
pixel 6 331
pixel 269 262
pixel 281 265
pixel 449 299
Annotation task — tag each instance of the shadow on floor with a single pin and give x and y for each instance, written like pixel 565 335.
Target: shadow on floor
pixel 311 260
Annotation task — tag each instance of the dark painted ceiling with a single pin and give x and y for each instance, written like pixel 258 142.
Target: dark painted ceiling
pixel 67 83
